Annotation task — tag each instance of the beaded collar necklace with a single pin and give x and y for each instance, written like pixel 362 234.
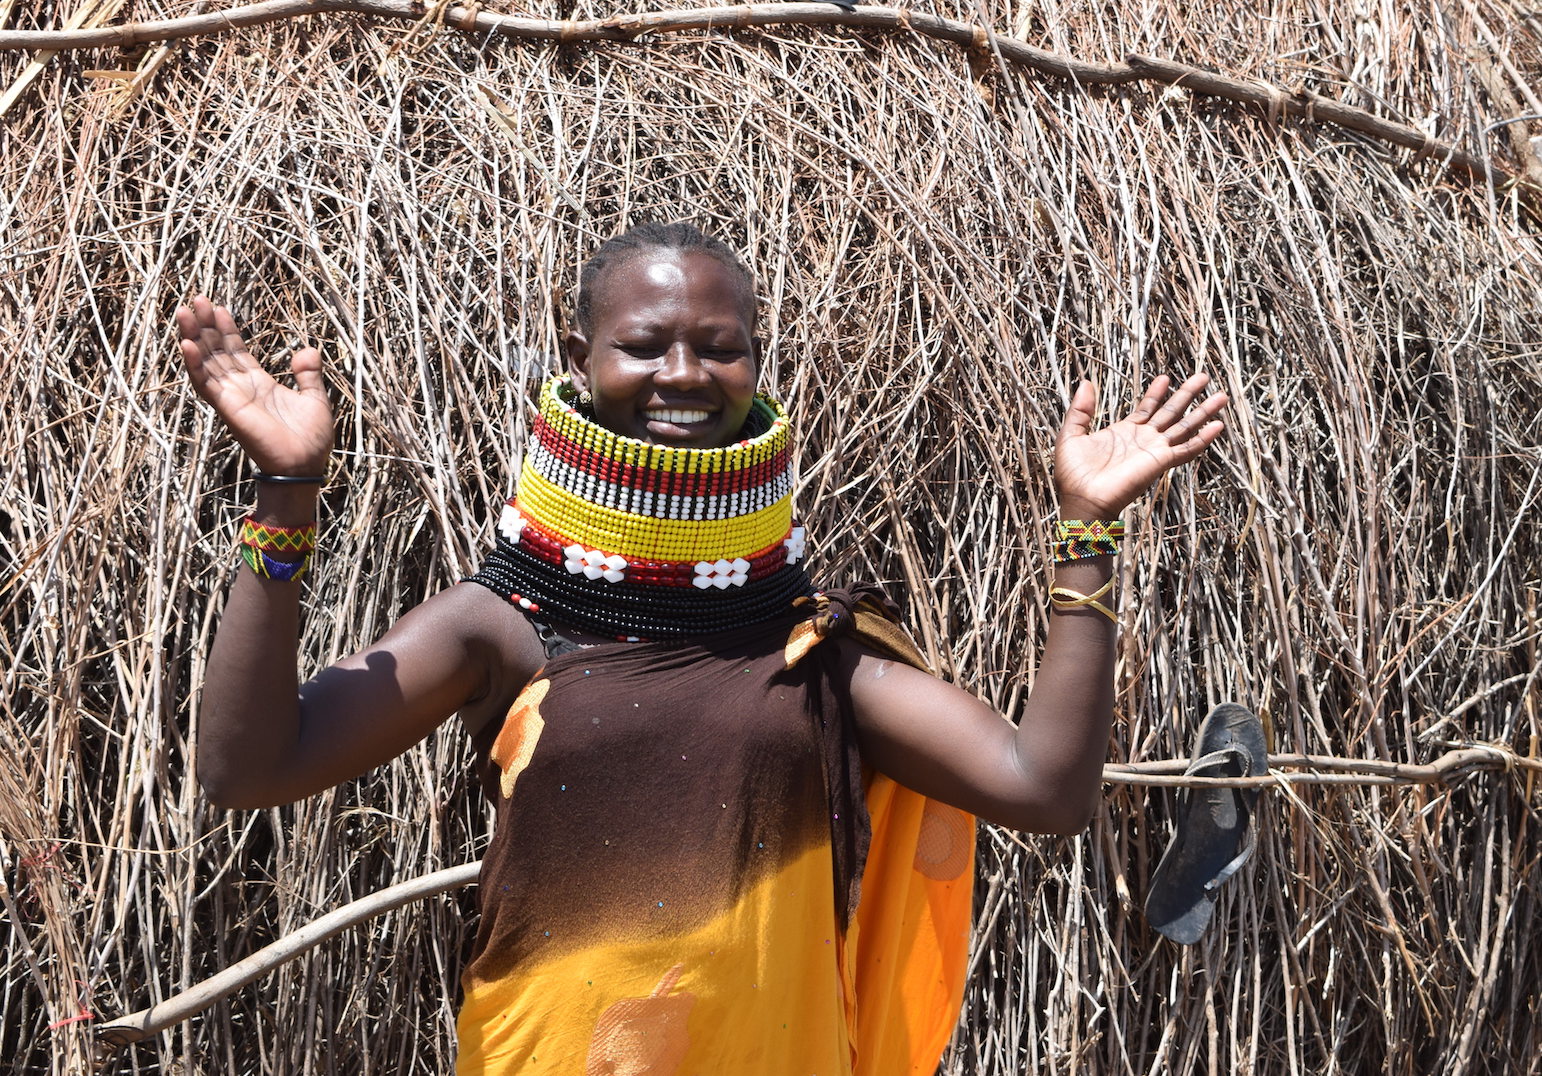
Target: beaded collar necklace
pixel 616 536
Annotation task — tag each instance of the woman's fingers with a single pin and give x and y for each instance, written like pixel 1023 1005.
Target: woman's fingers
pixel 305 365
pixel 1079 414
pixel 1195 420
pixel 1203 438
pixel 195 322
pixel 1174 408
pixel 1188 426
pixel 187 324
pixel 219 367
pixel 284 431
pixel 1150 404
pixel 190 327
pixel 230 339
pixel 203 368
pixel 211 343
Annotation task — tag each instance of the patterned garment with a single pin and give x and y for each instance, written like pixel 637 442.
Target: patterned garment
pixel 691 875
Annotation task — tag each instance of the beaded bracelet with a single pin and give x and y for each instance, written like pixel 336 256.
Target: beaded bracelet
pixel 268 538
pixel 1067 599
pixel 1077 539
pixel 282 571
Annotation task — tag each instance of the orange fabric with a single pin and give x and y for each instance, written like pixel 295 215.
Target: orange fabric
pixel 521 730
pixel 908 951
pixel 906 954
pixel 902 966
pixel 740 955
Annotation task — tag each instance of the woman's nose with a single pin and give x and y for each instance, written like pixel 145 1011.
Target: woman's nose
pixel 681 366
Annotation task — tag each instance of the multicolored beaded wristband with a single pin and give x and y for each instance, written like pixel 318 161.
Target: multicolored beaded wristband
pixel 1077 539
pixel 259 539
pixel 268 538
pixel 282 571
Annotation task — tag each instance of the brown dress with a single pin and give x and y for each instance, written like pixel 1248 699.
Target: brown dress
pixel 671 884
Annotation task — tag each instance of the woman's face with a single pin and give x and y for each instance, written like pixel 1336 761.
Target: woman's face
pixel 672 358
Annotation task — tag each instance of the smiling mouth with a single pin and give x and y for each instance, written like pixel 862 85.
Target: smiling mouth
pixel 679 416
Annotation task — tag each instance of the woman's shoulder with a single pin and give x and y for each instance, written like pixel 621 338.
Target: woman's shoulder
pixel 494 633
pixel 471 609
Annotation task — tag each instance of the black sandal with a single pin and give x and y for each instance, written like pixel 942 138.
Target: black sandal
pixel 1213 835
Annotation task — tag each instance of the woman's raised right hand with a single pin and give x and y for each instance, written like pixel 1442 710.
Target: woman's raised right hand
pixel 284 431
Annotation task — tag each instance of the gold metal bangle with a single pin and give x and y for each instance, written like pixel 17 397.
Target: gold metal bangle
pixel 1065 598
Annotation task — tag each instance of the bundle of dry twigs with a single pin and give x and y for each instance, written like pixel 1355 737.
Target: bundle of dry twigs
pixel 945 239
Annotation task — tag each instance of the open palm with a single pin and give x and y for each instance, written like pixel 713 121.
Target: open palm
pixel 283 430
pixel 1098 473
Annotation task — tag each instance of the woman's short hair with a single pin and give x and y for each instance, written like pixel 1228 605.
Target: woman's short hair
pixel 677 236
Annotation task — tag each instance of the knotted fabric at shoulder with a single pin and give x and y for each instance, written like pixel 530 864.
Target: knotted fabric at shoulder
pixel 863 613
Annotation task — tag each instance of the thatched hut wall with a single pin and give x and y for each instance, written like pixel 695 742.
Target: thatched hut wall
pixel 944 243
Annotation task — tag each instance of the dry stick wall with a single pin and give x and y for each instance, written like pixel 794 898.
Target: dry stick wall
pixel 1277 102
pixel 943 245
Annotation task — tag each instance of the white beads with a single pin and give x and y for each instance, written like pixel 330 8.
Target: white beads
pixel 511 524
pixel 721 574
pixel 795 543
pixel 594 564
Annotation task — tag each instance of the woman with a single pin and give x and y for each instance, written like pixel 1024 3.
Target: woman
pixel 721 843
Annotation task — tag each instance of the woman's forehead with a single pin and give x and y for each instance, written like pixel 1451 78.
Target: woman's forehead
pixel 657 275
pixel 665 267
pixel 663 273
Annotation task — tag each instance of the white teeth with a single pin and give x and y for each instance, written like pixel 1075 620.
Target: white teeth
pixel 679 417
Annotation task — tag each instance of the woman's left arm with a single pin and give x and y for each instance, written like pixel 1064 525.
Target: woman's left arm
pixel 1042 775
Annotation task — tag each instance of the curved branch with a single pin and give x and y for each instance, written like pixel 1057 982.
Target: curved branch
pixel 1274 100
pixel 195 999
pixel 1309 106
pixel 1329 770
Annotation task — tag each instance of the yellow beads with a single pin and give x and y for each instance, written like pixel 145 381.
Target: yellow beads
pixel 650 537
pixel 648 510
pixel 559 412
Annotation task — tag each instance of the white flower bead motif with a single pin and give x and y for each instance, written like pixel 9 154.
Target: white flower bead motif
pixel 796 542
pixel 594 564
pixel 511 524
pixel 722 573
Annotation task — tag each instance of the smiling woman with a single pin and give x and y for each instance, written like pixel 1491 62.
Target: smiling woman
pixel 734 827
pixel 677 361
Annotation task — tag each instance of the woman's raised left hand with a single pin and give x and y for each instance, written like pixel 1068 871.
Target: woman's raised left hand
pixel 1098 473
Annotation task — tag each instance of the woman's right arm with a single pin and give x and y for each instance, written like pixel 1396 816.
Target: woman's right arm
pixel 264 738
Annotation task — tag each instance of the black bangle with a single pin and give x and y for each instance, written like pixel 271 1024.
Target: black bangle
pixel 290 479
